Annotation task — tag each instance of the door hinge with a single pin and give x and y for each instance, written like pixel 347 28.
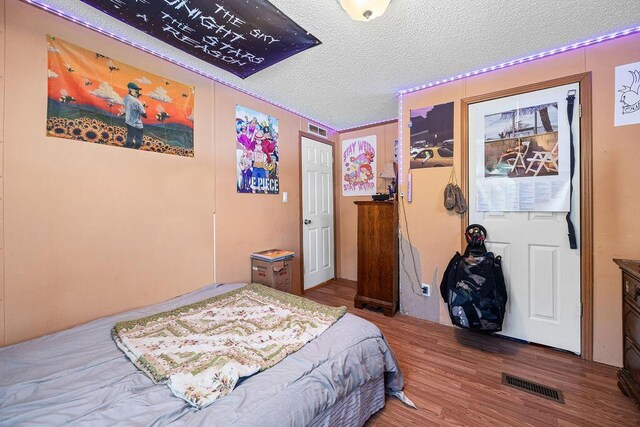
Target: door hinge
pixel 579 110
pixel 581 309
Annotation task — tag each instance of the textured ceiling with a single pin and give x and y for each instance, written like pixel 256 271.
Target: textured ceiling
pixel 352 77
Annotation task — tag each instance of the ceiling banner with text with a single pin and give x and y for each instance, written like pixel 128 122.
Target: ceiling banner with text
pixel 238 36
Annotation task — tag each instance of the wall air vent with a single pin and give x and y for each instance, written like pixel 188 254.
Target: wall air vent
pixel 317 130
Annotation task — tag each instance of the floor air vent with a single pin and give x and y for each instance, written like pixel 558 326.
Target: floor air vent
pixel 533 388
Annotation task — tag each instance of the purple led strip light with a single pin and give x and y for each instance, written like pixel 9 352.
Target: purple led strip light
pixel 503 65
pixel 399 94
pixel 522 60
pixel 400 145
pixel 165 57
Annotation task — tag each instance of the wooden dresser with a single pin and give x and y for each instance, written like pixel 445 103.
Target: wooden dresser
pixel 629 375
pixel 378 256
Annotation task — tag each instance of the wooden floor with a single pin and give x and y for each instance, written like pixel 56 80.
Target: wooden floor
pixel 454 376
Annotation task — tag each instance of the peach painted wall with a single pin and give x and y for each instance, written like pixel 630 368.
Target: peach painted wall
pixel 92 230
pixel 245 222
pixel 616 155
pixel 2 80
pixel 347 229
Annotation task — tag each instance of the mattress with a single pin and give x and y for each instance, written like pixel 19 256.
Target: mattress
pixel 79 377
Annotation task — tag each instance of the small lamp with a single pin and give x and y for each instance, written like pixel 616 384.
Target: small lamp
pixel 389 172
pixel 364 10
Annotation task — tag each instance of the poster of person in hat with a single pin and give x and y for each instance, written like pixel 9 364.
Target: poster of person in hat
pixel 133 113
pixel 97 99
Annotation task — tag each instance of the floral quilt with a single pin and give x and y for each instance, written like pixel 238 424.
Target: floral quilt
pixel 201 350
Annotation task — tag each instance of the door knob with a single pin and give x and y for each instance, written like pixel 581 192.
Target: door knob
pixel 307 221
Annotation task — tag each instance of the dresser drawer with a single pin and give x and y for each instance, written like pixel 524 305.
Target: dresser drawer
pixel 632 359
pixel 629 375
pixel 631 323
pixel 631 289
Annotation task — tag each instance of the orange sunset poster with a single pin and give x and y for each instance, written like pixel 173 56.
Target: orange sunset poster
pixel 94 98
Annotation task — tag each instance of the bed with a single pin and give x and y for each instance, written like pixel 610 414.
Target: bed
pixel 79 377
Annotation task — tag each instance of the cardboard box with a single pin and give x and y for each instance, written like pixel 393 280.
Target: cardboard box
pixel 273 255
pixel 275 274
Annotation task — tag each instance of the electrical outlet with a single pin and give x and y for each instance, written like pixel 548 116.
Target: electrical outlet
pixel 426 290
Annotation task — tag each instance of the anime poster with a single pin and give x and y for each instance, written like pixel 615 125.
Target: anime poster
pixel 431 143
pixel 94 98
pixel 627 95
pixel 257 155
pixel 359 166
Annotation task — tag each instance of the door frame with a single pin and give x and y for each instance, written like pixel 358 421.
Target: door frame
pixel 586 186
pixel 335 223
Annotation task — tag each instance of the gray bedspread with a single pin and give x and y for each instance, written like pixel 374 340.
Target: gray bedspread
pixel 79 377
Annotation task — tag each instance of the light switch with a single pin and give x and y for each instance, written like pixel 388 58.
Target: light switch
pixel 285 197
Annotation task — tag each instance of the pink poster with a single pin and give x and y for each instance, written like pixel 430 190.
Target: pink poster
pixel 359 166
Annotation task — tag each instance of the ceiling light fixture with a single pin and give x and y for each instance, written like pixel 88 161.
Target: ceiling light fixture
pixel 364 10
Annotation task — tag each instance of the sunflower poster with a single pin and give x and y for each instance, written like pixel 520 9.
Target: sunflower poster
pixel 94 98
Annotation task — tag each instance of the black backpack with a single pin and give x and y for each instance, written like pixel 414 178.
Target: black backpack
pixel 473 285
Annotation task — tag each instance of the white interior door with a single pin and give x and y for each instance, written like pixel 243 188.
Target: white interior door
pixel 317 212
pixel 542 273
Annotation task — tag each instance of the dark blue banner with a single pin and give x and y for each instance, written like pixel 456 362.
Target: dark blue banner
pixel 239 36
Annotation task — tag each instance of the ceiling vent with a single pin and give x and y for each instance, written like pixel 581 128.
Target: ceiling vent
pixel 317 130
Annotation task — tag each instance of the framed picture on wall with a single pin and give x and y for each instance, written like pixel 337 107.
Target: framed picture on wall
pixel 520 148
pixel 627 95
pixel 257 152
pixel 96 99
pixel 431 136
pixel 359 166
